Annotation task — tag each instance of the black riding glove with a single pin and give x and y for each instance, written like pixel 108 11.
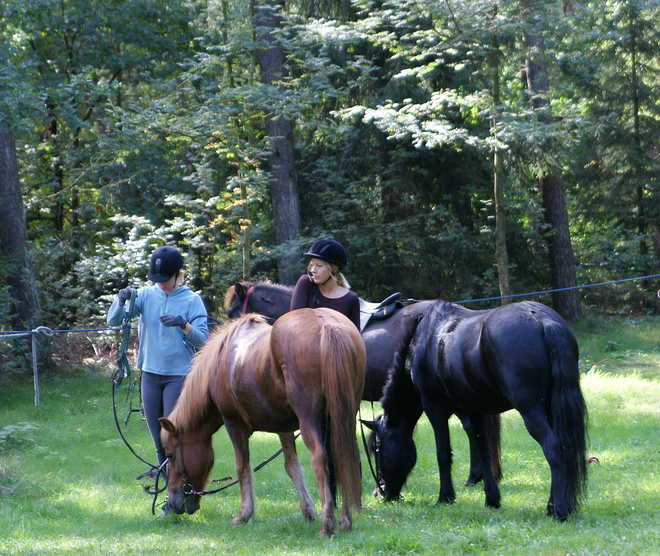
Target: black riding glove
pixel 168 319
pixel 125 295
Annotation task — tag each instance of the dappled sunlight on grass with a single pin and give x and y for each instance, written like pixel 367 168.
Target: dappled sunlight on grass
pixel 75 489
pixel 619 396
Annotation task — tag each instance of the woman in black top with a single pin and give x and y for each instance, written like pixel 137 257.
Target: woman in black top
pixel 325 285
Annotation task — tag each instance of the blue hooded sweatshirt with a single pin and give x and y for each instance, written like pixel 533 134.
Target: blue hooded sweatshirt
pixel 163 350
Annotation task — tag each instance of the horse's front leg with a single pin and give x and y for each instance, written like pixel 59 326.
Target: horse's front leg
pixel 240 437
pixel 481 441
pixel 312 436
pixel 440 422
pixel 294 470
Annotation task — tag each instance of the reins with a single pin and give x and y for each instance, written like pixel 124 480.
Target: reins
pixel 123 370
pixel 373 467
pixel 247 297
pixel 187 487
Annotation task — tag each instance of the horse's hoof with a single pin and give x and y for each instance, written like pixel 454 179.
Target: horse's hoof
pixel 561 512
pixel 326 534
pixel 240 519
pixel 309 515
pixel 472 481
pixel 345 524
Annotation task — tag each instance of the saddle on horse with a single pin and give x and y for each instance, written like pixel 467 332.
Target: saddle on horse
pixel 379 311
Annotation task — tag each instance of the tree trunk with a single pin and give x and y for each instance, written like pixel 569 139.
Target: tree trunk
pixel 284 187
pixel 566 303
pixel 14 243
pixel 562 264
pixel 642 222
pixel 501 254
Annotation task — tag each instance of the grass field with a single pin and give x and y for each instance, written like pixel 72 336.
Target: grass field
pixel 67 482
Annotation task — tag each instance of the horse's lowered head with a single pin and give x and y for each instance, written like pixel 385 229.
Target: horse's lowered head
pixel 395 454
pixel 190 457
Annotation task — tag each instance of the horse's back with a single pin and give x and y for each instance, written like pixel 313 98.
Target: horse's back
pixel 525 329
pixel 247 388
pixel 296 334
pixel 300 341
pixel 499 358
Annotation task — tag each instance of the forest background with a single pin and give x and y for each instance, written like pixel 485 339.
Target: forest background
pixel 460 150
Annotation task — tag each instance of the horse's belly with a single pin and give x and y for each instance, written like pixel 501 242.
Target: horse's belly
pixel 277 423
pixel 467 398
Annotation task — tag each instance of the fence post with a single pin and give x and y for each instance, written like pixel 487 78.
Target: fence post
pixel 35 370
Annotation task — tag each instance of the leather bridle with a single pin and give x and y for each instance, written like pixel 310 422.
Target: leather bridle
pixel 247 297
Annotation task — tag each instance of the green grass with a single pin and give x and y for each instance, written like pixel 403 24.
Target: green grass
pixel 67 482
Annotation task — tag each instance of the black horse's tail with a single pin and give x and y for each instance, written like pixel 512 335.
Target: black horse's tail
pixel 568 410
pixel 493 424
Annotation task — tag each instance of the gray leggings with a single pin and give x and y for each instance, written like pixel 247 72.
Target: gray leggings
pixel 159 395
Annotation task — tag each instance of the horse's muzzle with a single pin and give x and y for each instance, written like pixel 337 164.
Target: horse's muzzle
pixel 181 503
pixel 190 505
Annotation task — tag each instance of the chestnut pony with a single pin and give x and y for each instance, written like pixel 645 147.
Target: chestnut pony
pixel 301 373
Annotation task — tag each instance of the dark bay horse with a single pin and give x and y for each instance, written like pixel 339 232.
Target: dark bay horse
pixel 306 370
pixel 386 342
pixel 520 356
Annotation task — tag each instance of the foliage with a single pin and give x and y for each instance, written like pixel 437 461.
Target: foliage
pixel 141 122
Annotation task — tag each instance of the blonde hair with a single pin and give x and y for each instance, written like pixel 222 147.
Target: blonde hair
pixel 335 273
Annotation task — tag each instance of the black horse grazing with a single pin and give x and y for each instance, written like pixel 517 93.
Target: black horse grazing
pixel 387 343
pixel 521 356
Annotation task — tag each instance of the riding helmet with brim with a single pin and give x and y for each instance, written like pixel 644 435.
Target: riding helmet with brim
pixel 329 250
pixel 165 262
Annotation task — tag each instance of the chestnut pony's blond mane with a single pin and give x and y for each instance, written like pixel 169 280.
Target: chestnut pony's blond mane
pixel 192 405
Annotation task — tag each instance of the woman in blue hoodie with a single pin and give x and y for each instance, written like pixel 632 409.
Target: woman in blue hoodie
pixel 173 327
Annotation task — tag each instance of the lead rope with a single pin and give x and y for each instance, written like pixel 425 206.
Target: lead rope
pixel 123 370
pixel 188 488
pixel 374 472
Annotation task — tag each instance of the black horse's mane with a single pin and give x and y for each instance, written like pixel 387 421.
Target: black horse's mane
pixel 401 400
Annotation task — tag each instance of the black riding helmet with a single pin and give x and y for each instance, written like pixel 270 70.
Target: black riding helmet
pixel 165 262
pixel 329 250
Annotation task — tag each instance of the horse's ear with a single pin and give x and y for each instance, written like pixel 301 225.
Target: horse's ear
pixel 371 425
pixel 167 425
pixel 239 290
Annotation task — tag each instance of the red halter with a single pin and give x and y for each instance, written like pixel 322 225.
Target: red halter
pixel 247 295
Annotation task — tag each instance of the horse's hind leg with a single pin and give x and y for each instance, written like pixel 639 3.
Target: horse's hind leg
pixel 539 428
pixel 345 516
pixel 491 488
pixel 294 470
pixel 240 440
pixel 311 436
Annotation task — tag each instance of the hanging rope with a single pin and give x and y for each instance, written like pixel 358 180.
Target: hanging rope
pixel 561 289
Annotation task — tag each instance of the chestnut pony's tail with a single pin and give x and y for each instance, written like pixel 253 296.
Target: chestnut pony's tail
pixel 343 380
